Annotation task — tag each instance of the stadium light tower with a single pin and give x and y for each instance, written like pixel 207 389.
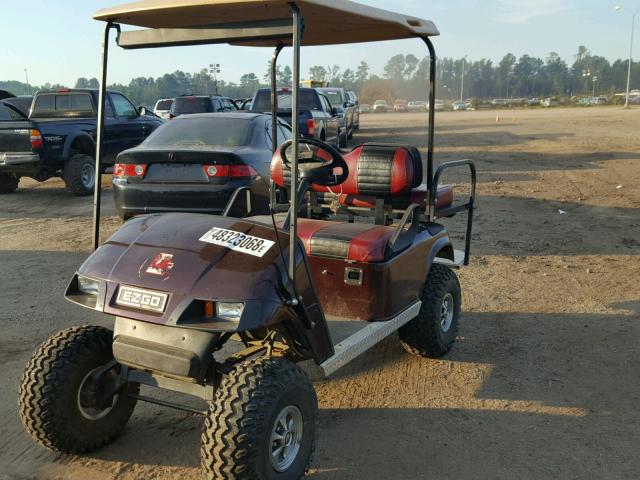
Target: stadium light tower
pixel 214 70
pixel 633 28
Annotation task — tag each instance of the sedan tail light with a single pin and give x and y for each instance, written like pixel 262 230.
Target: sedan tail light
pixel 236 171
pixel 36 139
pixel 123 170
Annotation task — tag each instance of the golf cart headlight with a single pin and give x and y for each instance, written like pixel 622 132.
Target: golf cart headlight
pixel 229 311
pixel 88 286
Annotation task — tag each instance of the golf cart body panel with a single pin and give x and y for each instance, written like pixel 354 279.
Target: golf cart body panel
pixel 163 254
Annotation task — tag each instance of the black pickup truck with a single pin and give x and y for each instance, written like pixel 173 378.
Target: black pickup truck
pixel 317 118
pixel 58 137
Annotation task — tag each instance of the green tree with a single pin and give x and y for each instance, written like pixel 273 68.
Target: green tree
pixel 504 75
pixel 395 67
pixel 318 73
pixel 285 76
pixel 410 64
pixel 362 73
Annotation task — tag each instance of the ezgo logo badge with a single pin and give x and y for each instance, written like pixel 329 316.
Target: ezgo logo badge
pixel 141 299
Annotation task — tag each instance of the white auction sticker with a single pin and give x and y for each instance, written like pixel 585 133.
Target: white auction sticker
pixel 240 242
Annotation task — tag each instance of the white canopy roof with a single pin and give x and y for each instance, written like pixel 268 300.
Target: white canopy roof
pixel 326 22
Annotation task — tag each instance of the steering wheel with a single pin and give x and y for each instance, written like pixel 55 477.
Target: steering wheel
pixel 317 167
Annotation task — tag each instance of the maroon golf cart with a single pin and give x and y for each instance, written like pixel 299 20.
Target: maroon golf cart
pixel 226 308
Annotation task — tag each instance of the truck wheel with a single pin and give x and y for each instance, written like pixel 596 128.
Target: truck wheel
pixel 433 331
pixel 8 182
pixel 79 175
pixel 261 424
pixel 60 405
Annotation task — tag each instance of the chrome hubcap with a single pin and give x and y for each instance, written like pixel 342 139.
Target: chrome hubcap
pixel 87 399
pixel 286 437
pixel 87 175
pixel 446 313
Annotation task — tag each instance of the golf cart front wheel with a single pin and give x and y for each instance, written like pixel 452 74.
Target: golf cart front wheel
pixel 262 423
pixel 65 403
pixel 433 332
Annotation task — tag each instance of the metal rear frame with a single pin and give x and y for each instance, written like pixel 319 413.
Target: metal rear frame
pixel 284 30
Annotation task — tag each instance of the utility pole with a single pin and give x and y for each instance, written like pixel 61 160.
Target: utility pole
pixel 633 28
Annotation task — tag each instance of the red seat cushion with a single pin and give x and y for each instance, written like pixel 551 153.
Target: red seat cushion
pixel 358 242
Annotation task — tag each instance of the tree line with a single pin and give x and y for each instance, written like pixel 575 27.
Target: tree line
pixel 405 76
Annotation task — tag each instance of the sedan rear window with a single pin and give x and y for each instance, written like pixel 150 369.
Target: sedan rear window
pixel 308 100
pixel 186 105
pixel 185 131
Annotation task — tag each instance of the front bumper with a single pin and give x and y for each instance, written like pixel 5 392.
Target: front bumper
pixel 9 159
pixel 141 198
pixel 160 348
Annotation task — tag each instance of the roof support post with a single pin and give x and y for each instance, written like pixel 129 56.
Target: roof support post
pixel 293 230
pixel 274 117
pixel 102 97
pixel 432 114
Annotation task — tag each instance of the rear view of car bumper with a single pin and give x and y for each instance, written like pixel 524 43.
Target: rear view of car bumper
pixel 11 159
pixel 140 198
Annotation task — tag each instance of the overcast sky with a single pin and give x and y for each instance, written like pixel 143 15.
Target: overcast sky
pixel 57 41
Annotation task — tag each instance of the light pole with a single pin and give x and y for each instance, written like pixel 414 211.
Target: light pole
pixel 595 80
pixel 464 60
pixel 214 70
pixel 633 27
pixel 26 74
pixel 586 74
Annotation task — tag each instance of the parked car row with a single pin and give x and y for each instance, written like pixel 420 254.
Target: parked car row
pixel 169 108
pixel 401 105
pixel 190 154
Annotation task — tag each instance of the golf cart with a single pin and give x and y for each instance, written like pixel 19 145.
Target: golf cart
pixel 225 308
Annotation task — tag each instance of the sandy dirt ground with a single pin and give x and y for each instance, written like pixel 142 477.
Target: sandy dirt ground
pixel 543 381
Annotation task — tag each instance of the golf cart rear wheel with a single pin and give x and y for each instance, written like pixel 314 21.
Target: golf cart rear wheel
pixel 79 175
pixel 261 424
pixel 59 401
pixel 433 332
pixel 8 182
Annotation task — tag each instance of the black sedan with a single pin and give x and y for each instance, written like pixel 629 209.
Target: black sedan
pixel 195 163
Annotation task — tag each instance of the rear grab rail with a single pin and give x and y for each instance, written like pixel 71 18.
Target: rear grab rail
pixel 434 213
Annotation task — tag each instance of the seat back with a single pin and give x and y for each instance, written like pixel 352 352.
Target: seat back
pixel 382 172
pixel 377 170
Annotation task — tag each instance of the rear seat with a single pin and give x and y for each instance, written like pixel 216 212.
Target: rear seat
pixel 357 242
